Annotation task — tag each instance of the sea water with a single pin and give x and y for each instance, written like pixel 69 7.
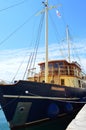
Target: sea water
pixel 3 122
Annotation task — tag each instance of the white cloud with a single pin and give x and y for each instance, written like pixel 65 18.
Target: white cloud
pixel 10 60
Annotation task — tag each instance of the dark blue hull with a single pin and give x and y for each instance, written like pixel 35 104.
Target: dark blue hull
pixel 30 104
pixel 59 123
pixel 43 89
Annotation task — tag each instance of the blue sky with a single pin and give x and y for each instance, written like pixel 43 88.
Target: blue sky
pixel 19 27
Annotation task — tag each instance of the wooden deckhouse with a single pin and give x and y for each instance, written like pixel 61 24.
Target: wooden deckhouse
pixel 60 72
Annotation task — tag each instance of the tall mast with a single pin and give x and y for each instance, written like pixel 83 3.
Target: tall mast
pixel 67 31
pixel 46 41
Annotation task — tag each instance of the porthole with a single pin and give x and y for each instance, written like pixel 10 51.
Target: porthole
pixel 21 109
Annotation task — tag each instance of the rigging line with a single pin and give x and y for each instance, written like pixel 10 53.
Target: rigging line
pixel 27 66
pixel 54 25
pixel 62 17
pixel 33 55
pixel 19 68
pixel 56 30
pixel 14 5
pixel 75 51
pixel 29 63
pixel 18 28
pixel 76 55
pixel 22 63
pixel 38 39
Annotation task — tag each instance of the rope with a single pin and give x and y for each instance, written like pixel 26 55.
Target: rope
pixel 18 68
pixel 17 29
pixel 14 5
pixel 27 66
pixel 38 38
pixel 33 55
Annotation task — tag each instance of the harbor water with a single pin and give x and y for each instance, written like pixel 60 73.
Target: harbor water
pixel 3 122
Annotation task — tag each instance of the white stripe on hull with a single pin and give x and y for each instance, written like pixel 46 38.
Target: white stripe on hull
pixel 40 97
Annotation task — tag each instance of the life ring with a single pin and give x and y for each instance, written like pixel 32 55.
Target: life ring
pixel 68 107
pixel 53 110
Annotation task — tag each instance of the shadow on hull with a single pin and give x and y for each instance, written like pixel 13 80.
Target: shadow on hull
pixel 60 123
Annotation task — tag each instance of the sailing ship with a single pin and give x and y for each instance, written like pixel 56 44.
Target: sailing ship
pixel 46 100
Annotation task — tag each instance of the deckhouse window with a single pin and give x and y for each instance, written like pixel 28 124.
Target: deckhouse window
pixel 62 82
pixel 50 65
pixel 55 65
pixel 42 67
pixel 79 83
pixel 61 64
